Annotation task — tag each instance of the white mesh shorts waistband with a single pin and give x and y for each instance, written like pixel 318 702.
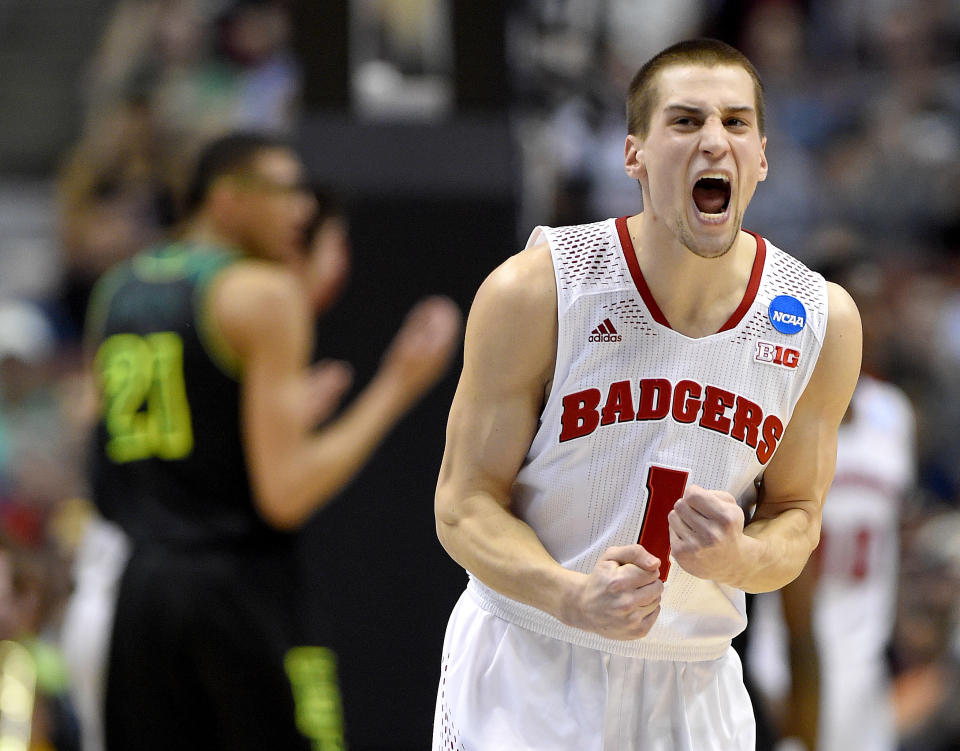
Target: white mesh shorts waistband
pixel 538 621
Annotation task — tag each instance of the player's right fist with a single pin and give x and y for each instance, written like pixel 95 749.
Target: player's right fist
pixel 620 598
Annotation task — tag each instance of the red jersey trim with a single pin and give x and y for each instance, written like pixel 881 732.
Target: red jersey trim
pixel 753 285
pixel 626 245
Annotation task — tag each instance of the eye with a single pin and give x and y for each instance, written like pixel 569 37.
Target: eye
pixel 735 122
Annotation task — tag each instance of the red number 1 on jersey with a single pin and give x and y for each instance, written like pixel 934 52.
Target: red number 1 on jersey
pixel 664 488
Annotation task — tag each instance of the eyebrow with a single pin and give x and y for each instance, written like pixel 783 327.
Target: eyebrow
pixel 690 109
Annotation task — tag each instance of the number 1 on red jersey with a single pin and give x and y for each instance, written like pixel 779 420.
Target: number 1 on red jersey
pixel 664 488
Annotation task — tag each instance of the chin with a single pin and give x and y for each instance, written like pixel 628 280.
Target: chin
pixel 708 247
pixel 710 252
pixel 279 254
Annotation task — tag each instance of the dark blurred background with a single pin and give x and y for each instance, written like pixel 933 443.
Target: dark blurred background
pixel 449 129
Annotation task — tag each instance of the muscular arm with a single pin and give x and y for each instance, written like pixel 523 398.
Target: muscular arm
pixel 492 422
pixel 786 524
pixel 772 549
pixel 264 317
pixel 506 372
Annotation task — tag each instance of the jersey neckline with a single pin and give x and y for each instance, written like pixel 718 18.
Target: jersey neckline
pixel 749 295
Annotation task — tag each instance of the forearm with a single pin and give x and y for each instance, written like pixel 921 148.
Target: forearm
pixel 323 463
pixel 803 712
pixel 797 600
pixel 775 550
pixel 786 526
pixel 502 551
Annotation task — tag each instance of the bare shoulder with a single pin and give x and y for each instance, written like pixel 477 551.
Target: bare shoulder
pixel 838 367
pixel 512 327
pixel 524 283
pixel 843 319
pixel 252 282
pixel 254 300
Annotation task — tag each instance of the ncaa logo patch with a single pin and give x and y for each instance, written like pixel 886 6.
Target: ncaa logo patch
pixel 787 314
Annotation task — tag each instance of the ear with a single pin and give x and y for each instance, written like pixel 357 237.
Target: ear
pixel 225 203
pixel 763 159
pixel 633 158
pixel 221 194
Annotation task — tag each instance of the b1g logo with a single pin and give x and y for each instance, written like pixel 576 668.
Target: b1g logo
pixel 777 355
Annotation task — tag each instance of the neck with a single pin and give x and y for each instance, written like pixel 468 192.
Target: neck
pixel 202 231
pixel 697 295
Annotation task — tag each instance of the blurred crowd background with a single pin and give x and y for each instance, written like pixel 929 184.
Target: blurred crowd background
pixel 448 130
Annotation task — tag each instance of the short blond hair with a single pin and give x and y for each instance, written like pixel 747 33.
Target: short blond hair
pixel 642 94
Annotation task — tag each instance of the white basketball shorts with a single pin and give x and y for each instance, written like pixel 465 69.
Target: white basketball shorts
pixel 505 688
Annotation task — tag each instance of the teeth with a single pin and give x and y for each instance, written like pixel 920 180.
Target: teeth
pixel 714 176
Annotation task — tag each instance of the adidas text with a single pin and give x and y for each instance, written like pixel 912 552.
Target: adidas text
pixel 605 337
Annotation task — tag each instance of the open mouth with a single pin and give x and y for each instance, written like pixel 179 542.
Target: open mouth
pixel 712 195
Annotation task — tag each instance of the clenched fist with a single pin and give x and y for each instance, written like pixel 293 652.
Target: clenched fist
pixel 620 598
pixel 706 533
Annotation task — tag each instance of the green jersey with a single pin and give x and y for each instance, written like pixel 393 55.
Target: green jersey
pixel 168 459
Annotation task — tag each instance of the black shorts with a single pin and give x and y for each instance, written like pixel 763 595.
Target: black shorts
pixel 207 654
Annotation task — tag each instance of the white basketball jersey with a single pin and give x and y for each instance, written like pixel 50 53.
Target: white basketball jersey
pixel 856 597
pixel 855 601
pixel 859 547
pixel 638 410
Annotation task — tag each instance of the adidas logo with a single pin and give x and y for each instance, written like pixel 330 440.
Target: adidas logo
pixel 605 332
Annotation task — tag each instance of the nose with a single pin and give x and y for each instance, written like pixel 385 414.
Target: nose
pixel 713 138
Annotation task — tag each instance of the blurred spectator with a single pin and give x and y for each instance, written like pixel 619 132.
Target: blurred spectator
pixel 927 689
pixel 799 122
pixel 29 252
pixel 39 468
pixel 168 76
pixel 100 556
pixel 37 459
pixel 253 38
pixel 114 198
pixel 32 588
pixel 894 172
pixel 401 58
pixel 205 67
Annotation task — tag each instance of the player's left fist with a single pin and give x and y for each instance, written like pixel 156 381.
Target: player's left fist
pixel 706 532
